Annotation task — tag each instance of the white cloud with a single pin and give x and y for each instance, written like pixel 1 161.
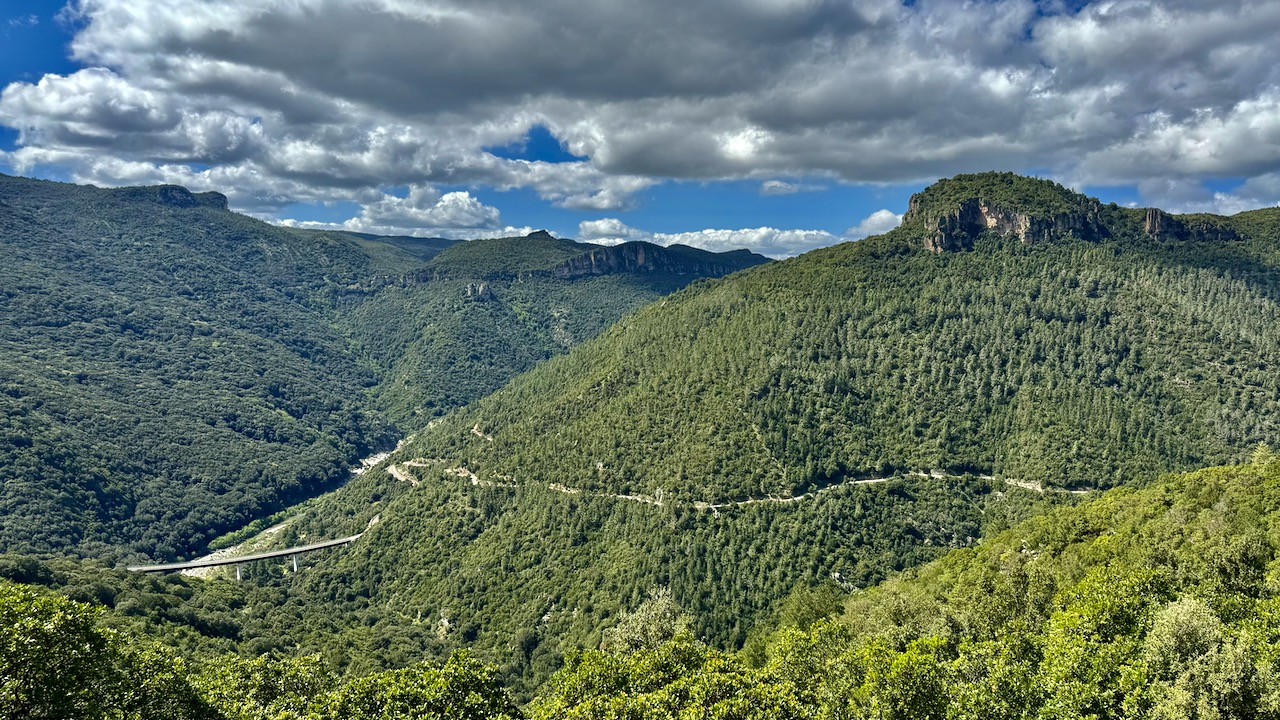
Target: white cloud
pixel 1188 196
pixel 424 212
pixel 877 223
pixel 778 187
pixel 781 187
pixel 313 100
pixel 764 240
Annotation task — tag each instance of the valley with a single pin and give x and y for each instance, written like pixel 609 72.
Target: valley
pixel 174 371
pixel 1001 456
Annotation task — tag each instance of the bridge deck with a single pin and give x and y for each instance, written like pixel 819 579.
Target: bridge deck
pixel 171 567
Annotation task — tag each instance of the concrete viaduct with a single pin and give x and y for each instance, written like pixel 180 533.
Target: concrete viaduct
pixel 292 552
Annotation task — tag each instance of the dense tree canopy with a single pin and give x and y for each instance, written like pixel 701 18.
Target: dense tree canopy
pixel 170 370
pixel 831 487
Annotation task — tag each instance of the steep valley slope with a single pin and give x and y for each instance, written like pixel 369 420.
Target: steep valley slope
pixel 171 370
pixel 1010 333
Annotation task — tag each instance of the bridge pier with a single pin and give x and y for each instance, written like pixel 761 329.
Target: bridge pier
pixel 292 553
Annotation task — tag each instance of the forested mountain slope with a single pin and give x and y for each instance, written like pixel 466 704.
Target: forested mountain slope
pixel 825 422
pixel 1160 602
pixel 714 442
pixel 1050 357
pixel 481 312
pixel 170 370
pixel 1157 602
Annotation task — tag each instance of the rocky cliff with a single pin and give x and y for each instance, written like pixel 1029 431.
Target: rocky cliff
pixel 949 215
pixel 1161 225
pixel 957 228
pixel 172 195
pixel 647 257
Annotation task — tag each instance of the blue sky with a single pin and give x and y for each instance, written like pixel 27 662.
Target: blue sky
pixel 777 125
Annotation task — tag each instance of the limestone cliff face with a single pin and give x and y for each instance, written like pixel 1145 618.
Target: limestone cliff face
pixel 647 257
pixel 956 230
pixel 1163 226
pixel 479 291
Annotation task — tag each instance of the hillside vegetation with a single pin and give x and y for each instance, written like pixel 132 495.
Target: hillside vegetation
pixel 830 487
pixel 1162 602
pixel 1159 602
pixel 1074 363
pixel 831 418
pixel 170 370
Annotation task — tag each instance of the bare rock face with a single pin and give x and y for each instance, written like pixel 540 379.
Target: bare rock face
pixel 479 291
pixel 1162 226
pixel 647 257
pixel 956 230
pixel 174 196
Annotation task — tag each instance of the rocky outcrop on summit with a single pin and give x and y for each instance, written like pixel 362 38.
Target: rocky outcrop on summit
pixel 646 257
pixel 956 230
pixel 172 195
pixel 951 214
pixel 1160 225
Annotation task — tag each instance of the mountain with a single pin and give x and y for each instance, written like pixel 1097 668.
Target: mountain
pixel 782 453
pixel 481 312
pixel 840 415
pixel 1074 358
pixel 170 370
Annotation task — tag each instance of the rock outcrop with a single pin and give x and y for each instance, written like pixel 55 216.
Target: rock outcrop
pixel 175 196
pixel 1160 225
pixel 646 257
pixel 479 291
pixel 957 229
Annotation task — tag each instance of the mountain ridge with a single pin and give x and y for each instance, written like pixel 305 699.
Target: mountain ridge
pixel 953 212
pixel 171 370
pixel 1072 364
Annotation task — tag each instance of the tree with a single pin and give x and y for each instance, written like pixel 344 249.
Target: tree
pixel 57 664
pixel 657 620
pixel 463 689
pixel 54 660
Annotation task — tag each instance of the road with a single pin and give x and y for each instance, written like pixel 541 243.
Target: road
pixel 213 562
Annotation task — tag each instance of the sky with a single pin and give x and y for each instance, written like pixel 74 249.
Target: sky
pixel 774 125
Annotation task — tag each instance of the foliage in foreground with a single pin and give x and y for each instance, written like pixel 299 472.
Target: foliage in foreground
pixel 1161 602
pixel 1156 603
pixel 58 663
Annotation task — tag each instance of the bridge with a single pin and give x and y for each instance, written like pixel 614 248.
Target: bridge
pixel 292 552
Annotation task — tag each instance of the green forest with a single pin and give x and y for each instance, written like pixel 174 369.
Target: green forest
pixel 952 471
pixel 1156 602
pixel 171 371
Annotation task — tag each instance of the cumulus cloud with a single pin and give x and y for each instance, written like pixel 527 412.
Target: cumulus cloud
pixel 764 240
pixel 424 212
pixel 1189 196
pixel 304 100
pixel 877 223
